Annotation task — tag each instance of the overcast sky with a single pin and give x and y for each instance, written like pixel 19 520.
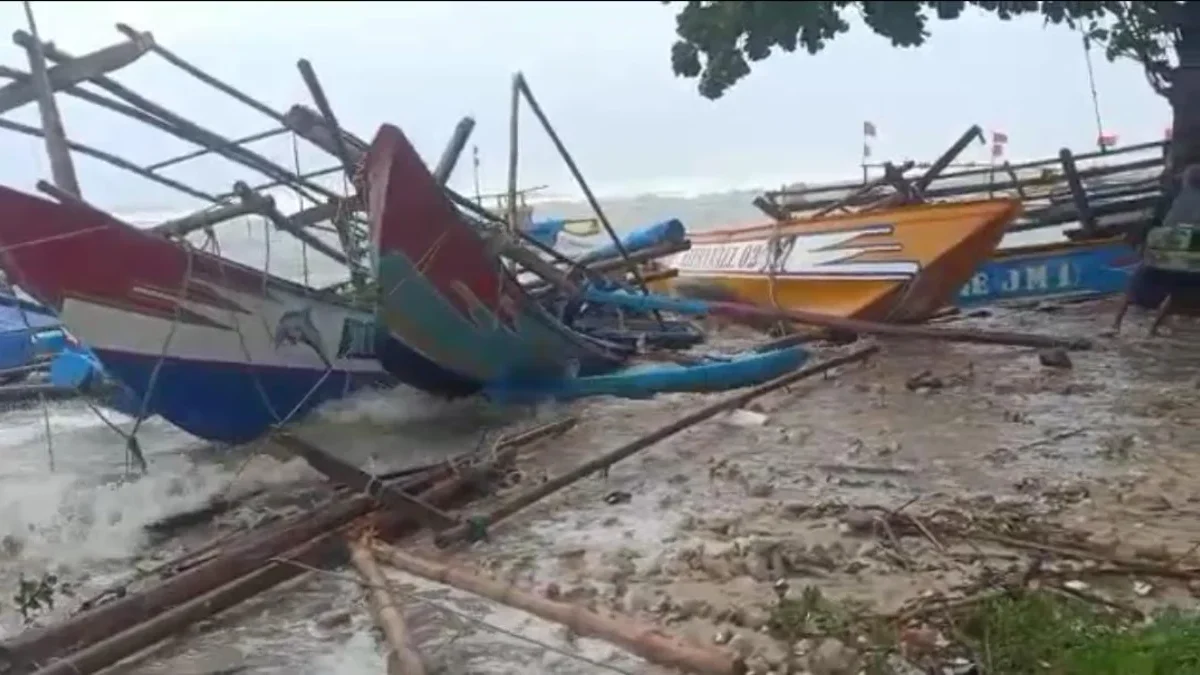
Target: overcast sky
pixel 602 72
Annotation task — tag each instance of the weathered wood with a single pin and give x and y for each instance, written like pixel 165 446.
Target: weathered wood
pixel 59 154
pixel 307 123
pixel 1071 172
pixel 844 186
pixel 60 77
pixel 225 585
pixel 402 658
pixel 947 158
pixel 648 642
pixel 522 85
pixel 864 190
pixel 266 206
pixel 269 133
pixel 454 150
pixel 39 645
pixel 345 473
pixel 204 77
pixel 110 159
pixel 181 227
pixel 184 128
pixel 460 532
pixel 514 118
pixel 318 94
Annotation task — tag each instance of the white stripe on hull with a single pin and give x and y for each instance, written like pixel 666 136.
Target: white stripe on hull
pixel 104 327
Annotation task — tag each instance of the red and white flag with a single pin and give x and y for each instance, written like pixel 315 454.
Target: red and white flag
pixel 869 129
pixel 999 138
pixel 997 149
pixel 1107 140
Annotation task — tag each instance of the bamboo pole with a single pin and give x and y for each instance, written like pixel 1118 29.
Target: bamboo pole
pixel 473 525
pixel 318 94
pixel 947 158
pixel 514 116
pixel 403 659
pixel 523 86
pixel 64 77
pixel 61 167
pixel 111 159
pixel 266 206
pixel 179 159
pixel 184 128
pixel 647 642
pixel 454 150
pixel 243 568
pixel 173 59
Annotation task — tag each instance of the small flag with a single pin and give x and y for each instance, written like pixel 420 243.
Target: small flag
pixel 868 129
pixel 866 150
pixel 997 149
pixel 999 138
pixel 1107 140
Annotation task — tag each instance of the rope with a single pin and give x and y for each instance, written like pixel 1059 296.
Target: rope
pixel 46 420
pixel 774 263
pixel 390 587
pixel 300 205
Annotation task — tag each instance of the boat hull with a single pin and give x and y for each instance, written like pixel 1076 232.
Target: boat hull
pixel 1051 270
pixel 446 295
pixel 899 264
pixel 240 350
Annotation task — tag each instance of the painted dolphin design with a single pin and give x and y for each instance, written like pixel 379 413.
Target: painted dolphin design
pixel 296 327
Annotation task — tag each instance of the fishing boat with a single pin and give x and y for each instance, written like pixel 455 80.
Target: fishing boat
pixel 449 297
pixel 1046 271
pixel 219 349
pixel 28 332
pixel 897 264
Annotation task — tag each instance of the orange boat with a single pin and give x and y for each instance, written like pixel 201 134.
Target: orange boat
pixel 898 264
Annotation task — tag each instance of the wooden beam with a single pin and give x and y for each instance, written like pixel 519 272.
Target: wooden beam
pixel 80 70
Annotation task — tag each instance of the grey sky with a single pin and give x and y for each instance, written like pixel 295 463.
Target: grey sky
pixel 602 72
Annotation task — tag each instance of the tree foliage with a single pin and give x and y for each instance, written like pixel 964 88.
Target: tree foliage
pixel 718 40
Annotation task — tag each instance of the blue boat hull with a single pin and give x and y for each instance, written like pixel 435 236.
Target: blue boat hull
pixel 229 402
pixel 647 380
pixel 1038 272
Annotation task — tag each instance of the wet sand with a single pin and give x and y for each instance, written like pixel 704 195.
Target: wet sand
pixel 695 533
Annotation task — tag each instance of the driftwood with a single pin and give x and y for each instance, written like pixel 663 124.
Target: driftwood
pixel 476 524
pixel 647 642
pixel 403 659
